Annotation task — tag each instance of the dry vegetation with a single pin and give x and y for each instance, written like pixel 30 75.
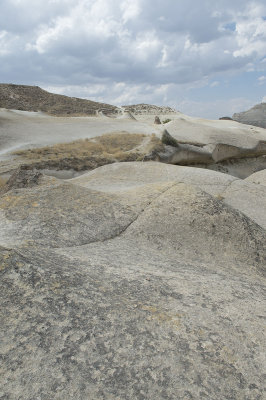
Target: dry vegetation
pixel 2 182
pixel 91 153
pixel 2 185
pixel 111 144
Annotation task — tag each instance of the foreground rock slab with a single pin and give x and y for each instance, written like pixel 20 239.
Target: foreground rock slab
pixel 134 281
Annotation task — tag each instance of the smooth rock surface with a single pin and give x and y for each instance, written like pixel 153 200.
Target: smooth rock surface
pixel 214 140
pixel 258 177
pixel 133 281
pixel 21 129
pixel 242 195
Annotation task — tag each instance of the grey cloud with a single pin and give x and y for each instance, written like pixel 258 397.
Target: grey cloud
pixel 83 42
pixel 24 16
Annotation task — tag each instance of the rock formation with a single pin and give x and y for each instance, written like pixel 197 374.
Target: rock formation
pixel 226 146
pixel 135 280
pixel 157 120
pixel 255 116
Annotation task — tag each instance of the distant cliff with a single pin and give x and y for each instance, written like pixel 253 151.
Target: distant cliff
pixel 255 116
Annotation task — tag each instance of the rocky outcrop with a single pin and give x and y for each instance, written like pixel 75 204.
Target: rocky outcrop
pixel 139 109
pixel 135 280
pixel 157 120
pixel 255 116
pixel 235 149
pixel 24 177
pixel 185 154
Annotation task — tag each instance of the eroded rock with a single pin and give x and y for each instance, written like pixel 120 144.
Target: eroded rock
pixel 210 147
pixel 255 116
pixel 24 177
pixel 153 275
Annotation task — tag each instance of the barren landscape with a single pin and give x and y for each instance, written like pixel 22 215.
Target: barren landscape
pixel 132 253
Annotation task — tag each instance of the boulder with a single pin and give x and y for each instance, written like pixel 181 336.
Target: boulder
pixel 205 132
pixel 157 120
pixel 210 144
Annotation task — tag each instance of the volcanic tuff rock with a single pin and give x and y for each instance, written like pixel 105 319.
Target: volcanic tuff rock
pixel 258 177
pixel 255 116
pixel 226 146
pixel 33 98
pixel 219 145
pixel 133 281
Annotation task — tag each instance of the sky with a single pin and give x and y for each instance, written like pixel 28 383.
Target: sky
pixel 205 58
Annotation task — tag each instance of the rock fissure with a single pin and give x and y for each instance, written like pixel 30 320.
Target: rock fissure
pixel 132 222
pixel 221 194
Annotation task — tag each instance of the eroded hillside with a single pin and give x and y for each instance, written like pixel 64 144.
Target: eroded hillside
pixel 33 98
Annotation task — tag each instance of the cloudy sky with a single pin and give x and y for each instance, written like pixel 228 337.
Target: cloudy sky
pixel 203 57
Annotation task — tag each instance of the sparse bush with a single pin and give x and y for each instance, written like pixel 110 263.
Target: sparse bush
pixel 166 121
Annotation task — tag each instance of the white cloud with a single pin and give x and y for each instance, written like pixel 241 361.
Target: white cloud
pixel 130 10
pixel 262 79
pixel 251 38
pixel 144 37
pixel 125 50
pixel 172 95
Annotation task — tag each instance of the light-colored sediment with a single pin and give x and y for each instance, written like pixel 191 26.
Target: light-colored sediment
pixel 136 280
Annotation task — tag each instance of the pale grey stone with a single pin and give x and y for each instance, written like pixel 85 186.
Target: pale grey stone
pixel 255 116
pixel 134 281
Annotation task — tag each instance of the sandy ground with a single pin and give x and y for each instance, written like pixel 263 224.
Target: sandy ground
pixel 21 129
